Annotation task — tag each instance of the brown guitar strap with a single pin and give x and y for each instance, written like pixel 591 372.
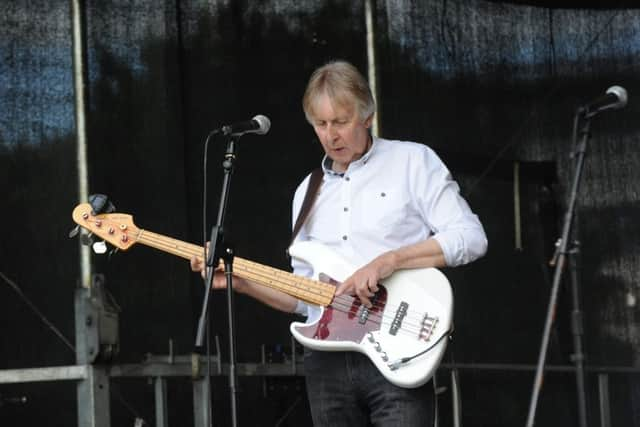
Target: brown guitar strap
pixel 312 191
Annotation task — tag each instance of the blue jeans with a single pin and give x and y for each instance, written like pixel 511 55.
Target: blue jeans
pixel 346 389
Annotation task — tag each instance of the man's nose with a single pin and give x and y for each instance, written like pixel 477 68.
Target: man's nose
pixel 332 132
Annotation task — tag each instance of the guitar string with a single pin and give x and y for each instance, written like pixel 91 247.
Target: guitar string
pixel 266 274
pixel 188 250
pixel 348 303
pixel 411 314
pixel 378 317
pixel 290 280
pixel 406 327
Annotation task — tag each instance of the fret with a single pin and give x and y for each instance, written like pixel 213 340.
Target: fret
pixel 308 290
pixel 119 230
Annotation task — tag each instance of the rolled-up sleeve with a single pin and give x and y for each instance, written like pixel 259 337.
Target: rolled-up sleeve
pixel 462 245
pixel 454 226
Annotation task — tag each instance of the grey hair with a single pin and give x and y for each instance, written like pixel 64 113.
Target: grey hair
pixel 343 84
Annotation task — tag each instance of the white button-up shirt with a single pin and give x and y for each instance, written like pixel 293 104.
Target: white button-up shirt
pixel 397 194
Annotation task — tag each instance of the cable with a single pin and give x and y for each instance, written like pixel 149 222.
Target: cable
pixel 120 397
pixel 204 244
pixel 204 191
pixel 288 411
pixel 67 343
pixel 35 309
pixel 398 363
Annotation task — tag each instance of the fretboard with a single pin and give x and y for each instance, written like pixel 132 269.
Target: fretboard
pixel 303 288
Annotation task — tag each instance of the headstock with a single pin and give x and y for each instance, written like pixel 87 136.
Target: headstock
pixel 115 228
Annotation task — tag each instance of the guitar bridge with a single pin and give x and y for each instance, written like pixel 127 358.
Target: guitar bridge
pixel 427 327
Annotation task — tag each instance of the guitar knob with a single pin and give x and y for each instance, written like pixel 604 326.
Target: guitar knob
pixel 384 356
pixel 370 337
pixel 73 233
pixel 99 247
pixel 377 346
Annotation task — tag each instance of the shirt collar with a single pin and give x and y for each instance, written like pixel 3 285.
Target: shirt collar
pixel 327 162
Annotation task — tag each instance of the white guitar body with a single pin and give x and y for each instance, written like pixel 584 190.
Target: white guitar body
pixel 415 309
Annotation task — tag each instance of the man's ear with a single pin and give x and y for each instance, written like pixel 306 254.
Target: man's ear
pixel 368 121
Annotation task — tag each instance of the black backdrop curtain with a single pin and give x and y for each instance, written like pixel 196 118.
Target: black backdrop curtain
pixel 491 86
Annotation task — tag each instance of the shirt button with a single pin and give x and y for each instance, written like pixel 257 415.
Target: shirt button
pixel 346 209
pixel 344 237
pixel 347 178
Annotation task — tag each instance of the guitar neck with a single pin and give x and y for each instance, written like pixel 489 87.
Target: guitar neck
pixel 308 290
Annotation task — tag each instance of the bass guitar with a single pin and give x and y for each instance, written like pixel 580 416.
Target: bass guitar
pixel 403 333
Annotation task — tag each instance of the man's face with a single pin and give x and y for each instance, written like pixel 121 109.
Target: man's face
pixel 343 135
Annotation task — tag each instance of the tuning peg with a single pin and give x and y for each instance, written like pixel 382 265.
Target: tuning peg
pixel 74 232
pixel 113 251
pixel 99 247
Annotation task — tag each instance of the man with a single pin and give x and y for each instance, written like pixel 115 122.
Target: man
pixel 383 205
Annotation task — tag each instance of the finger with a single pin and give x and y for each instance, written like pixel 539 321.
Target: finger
pixel 373 286
pixel 345 287
pixel 219 281
pixel 371 283
pixel 364 294
pixel 194 264
pixel 203 271
pixel 365 301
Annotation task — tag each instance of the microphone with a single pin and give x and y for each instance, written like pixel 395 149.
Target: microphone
pixel 259 124
pixel 614 99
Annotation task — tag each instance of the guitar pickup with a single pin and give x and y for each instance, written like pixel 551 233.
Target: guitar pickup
pixel 363 316
pixel 401 313
pixel 364 311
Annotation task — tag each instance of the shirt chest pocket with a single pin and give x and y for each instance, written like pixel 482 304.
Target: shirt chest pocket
pixel 382 210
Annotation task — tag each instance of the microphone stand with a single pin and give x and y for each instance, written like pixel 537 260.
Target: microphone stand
pixel 215 253
pixel 559 261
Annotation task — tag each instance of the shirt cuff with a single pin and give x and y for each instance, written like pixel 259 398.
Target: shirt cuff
pixel 461 246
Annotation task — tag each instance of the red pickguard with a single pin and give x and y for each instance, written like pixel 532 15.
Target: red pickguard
pixel 341 321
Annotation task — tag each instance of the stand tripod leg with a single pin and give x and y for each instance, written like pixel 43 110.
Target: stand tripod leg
pixel 577 330
pixel 559 260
